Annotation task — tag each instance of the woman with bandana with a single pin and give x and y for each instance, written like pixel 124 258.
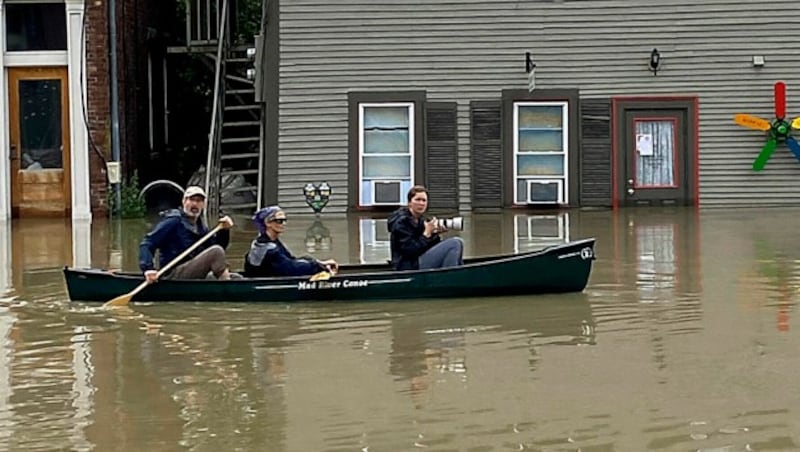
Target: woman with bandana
pixel 268 256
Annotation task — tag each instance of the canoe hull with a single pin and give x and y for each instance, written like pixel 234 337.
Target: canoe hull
pixel 563 268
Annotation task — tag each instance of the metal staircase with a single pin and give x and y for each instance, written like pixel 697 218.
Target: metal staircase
pixel 234 174
pixel 240 169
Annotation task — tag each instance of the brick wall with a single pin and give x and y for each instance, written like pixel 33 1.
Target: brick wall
pixel 137 22
pixel 98 109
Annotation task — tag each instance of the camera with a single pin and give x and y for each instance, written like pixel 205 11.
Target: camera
pixel 453 224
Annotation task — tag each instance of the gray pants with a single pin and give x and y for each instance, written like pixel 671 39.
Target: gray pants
pixel 447 253
pixel 212 259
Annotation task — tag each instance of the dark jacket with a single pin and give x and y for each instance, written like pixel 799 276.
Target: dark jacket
pixel 407 241
pixel 172 236
pixel 269 257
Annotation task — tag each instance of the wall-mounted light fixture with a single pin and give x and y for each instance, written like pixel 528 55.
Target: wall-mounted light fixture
pixel 655 60
pixel 758 60
pixel 530 69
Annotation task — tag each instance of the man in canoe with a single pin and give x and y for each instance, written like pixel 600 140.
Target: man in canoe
pixel 268 256
pixel 415 240
pixel 178 231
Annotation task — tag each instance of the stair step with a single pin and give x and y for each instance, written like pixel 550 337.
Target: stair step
pixel 248 155
pixel 238 79
pixel 245 205
pixel 239 172
pixel 241 123
pixel 238 60
pixel 240 140
pixel 241 91
pixel 247 188
pixel 241 107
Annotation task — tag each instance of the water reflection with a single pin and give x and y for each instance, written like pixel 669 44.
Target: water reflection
pixel 681 341
pixel 6 259
pixel 534 232
pixel 318 237
pixel 428 347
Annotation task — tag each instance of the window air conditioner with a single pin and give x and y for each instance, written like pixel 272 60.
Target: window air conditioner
pixel 545 191
pixel 386 192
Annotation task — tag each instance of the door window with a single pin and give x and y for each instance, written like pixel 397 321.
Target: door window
pixel 655 153
pixel 40 124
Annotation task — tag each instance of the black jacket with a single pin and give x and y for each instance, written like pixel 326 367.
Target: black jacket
pixel 407 241
pixel 269 257
pixel 172 236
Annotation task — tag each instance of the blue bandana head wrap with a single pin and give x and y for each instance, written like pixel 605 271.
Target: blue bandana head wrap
pixel 263 215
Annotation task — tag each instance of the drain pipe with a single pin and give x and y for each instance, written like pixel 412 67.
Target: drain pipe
pixel 112 32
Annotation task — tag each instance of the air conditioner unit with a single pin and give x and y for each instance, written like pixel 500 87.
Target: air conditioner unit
pixel 386 193
pixel 545 191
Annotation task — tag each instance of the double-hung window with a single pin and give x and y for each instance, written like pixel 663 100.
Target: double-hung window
pixel 541 142
pixel 385 152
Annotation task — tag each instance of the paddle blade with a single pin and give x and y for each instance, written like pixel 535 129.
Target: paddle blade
pixel 321 276
pixel 794 146
pixel 752 122
pixel 796 123
pixel 780 100
pixel 765 154
pixel 123 300
pixel 119 302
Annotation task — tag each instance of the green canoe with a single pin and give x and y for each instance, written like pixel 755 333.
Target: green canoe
pixel 560 268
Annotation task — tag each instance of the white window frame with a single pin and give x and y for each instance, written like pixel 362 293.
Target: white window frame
pixel 564 177
pixel 361 154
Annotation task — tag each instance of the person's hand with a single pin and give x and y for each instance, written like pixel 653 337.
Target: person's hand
pixel 226 222
pixel 430 227
pixel 151 276
pixel 331 265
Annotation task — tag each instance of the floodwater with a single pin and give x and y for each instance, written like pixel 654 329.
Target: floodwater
pixel 685 339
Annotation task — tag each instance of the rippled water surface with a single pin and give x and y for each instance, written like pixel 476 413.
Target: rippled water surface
pixel 685 339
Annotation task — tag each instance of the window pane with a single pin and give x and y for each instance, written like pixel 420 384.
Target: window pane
pixel 386 118
pixel 540 140
pixel 37 26
pixel 540 165
pixel 387 167
pixel 386 141
pixel 40 123
pixel 540 116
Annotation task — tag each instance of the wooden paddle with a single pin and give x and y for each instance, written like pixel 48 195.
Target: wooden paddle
pixel 123 300
pixel 323 275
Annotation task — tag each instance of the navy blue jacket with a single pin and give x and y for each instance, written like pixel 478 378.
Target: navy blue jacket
pixel 172 236
pixel 407 241
pixel 269 257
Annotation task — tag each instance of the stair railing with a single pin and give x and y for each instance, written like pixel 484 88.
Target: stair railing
pixel 203 21
pixel 213 161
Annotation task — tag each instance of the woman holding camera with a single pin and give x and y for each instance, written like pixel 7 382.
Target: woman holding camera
pixel 415 241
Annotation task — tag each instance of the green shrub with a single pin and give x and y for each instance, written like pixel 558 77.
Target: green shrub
pixel 131 203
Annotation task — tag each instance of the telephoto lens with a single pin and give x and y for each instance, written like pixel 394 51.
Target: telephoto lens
pixel 452 224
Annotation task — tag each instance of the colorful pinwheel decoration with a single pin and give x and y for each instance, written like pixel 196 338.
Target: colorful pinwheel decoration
pixel 777 131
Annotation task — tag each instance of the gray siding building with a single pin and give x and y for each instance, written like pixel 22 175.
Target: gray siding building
pixel 634 102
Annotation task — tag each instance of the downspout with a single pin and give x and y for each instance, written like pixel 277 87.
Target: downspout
pixel 112 32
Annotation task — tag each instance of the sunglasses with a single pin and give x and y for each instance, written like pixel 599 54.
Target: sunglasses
pixel 280 220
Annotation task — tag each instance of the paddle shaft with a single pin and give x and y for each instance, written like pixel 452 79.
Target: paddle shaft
pixel 125 299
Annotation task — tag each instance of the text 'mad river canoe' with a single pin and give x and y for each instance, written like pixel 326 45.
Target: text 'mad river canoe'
pixel 556 269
